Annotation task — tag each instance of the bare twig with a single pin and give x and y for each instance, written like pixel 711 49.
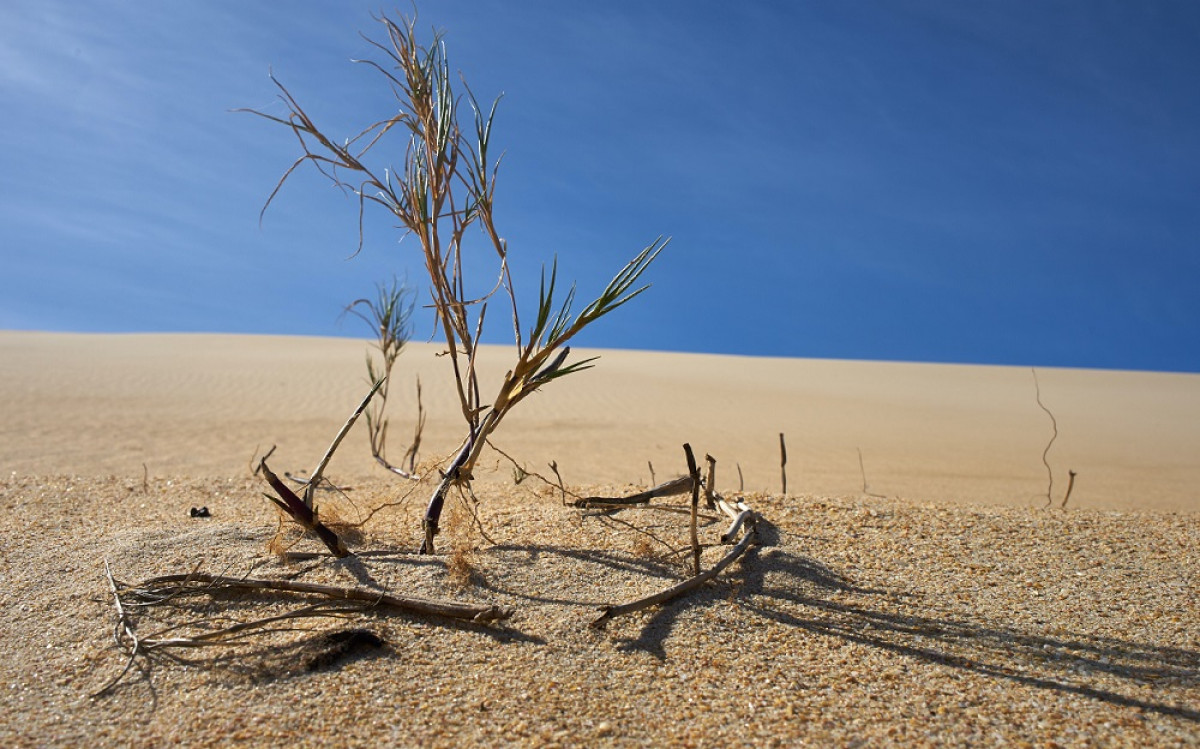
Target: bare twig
pixel 783 462
pixel 1070 485
pixel 862 469
pixel 410 456
pixel 123 633
pixel 524 472
pixel 680 485
pixel 339 601
pixel 562 488
pixel 600 509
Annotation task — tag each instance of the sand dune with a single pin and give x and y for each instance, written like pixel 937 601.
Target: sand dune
pixel 952 611
pixel 97 405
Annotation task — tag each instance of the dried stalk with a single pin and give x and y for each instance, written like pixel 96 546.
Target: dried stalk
pixel 694 474
pixel 680 485
pixel 377 436
pixel 297 510
pixel 1070 485
pixel 600 509
pixel 124 626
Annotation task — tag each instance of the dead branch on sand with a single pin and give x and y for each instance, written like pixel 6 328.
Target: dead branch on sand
pixel 681 485
pixel 744 520
pixel 339 602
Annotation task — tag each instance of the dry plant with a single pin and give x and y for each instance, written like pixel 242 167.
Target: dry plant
pixel 445 187
pixel 461 570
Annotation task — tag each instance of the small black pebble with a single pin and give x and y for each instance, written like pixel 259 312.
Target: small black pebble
pixel 201 512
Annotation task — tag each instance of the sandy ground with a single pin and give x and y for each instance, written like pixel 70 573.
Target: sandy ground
pixel 921 595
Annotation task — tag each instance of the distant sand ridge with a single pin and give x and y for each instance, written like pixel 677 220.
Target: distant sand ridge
pixel 97 405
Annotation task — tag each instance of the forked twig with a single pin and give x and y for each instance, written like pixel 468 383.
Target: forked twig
pixel 123 626
pixel 744 519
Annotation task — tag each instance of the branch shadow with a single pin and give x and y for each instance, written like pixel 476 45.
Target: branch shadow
pixel 794 590
pixel 529 554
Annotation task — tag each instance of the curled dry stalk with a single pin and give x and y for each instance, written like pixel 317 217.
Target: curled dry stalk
pixel 1037 390
pixel 389 316
pixel 445 187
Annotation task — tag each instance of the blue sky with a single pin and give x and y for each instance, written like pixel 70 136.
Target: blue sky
pixel 986 182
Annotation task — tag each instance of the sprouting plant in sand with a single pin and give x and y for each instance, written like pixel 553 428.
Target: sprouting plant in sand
pixel 444 188
pixel 389 316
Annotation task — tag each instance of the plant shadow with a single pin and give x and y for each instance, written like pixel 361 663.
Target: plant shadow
pixel 795 591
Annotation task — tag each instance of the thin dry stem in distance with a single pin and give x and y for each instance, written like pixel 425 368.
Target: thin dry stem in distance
pixel 445 187
pixel 1037 390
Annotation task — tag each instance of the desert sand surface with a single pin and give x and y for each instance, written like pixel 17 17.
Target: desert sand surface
pixel 909 587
